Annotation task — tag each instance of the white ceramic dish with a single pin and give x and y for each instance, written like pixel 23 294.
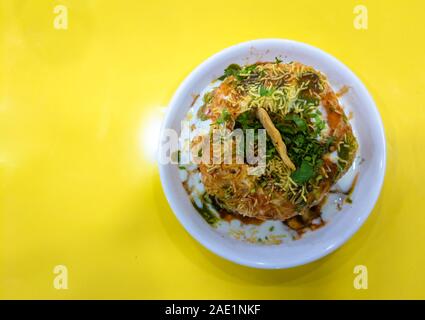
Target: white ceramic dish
pixel 366 124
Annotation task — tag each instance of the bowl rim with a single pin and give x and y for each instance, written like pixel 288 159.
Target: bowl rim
pixel 172 199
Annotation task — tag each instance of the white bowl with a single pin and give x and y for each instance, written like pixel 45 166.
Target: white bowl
pixel 366 124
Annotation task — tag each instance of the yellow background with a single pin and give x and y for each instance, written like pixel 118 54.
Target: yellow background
pixel 79 109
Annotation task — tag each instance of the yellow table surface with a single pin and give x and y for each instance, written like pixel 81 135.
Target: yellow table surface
pixel 79 109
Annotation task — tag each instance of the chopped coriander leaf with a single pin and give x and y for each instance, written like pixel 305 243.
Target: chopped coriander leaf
pixel 304 173
pixel 329 142
pixel 203 116
pixel 207 97
pixel 299 122
pixel 201 112
pixel 305 100
pixel 248 120
pixel 247 70
pixel 277 60
pixel 319 123
pixel 206 213
pixel 270 150
pixel 224 117
pixel 343 155
pixel 231 70
pixel 265 91
pixel 285 129
pixel 238 72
